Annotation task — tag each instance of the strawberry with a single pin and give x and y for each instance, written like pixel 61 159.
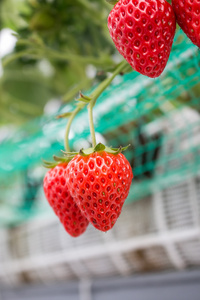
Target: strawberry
pixel 99 183
pixel 188 18
pixel 60 200
pixel 143 33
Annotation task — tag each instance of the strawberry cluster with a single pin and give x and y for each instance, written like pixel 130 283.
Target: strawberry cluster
pixel 91 188
pixel 143 30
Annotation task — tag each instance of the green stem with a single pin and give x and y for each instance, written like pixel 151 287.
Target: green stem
pixel 94 96
pixel 67 130
pixel 91 122
pixel 97 93
pixel 31 53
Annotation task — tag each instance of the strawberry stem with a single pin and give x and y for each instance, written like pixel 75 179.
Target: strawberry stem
pixel 67 130
pixel 91 122
pixel 91 103
pixel 95 95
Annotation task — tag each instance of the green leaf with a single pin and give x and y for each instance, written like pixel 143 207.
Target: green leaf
pixel 69 153
pixel 121 148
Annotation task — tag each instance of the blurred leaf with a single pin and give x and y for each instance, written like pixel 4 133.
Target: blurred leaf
pixel 57 40
pixel 10 16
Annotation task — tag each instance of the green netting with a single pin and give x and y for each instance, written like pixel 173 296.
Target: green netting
pixel 158 117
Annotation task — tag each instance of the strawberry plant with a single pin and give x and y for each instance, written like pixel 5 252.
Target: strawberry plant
pixel 93 182
pixel 91 186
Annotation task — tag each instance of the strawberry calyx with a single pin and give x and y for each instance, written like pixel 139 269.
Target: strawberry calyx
pixel 101 147
pixel 68 156
pixel 57 161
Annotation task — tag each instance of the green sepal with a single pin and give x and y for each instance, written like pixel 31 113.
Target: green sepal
pixel 68 156
pixel 69 153
pixel 116 150
pixel 48 164
pixel 57 160
pixel 112 150
pixel 86 152
pixel 60 159
pixel 99 147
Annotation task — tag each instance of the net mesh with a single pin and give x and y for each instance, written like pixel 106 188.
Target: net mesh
pixel 158 117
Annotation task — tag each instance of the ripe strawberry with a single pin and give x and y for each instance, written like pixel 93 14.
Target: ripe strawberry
pixel 143 33
pixel 61 201
pixel 99 183
pixel 188 18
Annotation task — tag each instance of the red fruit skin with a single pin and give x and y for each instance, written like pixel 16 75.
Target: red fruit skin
pixel 188 18
pixel 143 33
pixel 59 198
pixel 100 183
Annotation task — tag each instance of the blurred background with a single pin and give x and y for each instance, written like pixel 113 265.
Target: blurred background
pixel 50 50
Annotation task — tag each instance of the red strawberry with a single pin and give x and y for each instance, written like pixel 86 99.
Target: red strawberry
pixel 61 201
pixel 99 183
pixel 143 32
pixel 188 18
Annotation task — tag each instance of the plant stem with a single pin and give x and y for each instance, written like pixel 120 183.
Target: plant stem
pixel 91 122
pixel 97 93
pixel 67 130
pixel 20 54
pixel 106 83
pixel 94 96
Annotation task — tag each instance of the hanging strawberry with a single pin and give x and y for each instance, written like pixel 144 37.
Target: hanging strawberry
pixel 90 185
pixel 61 201
pixel 143 33
pixel 99 182
pixel 188 18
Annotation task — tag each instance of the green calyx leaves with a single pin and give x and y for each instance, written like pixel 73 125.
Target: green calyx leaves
pixel 116 150
pixel 86 152
pixel 49 164
pixel 100 147
pixel 67 156
pixel 57 160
